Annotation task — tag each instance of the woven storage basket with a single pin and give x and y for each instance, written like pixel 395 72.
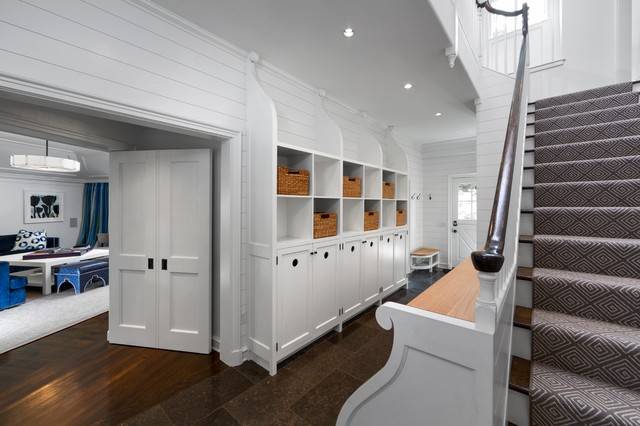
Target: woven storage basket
pixel 401 217
pixel 388 190
pixel 351 186
pixel 325 225
pixel 293 182
pixel 371 221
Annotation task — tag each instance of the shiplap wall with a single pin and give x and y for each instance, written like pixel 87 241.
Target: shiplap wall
pixel 439 161
pixel 131 57
pixel 416 186
pixel 492 113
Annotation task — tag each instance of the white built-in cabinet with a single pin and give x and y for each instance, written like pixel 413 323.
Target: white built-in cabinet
pixel 160 249
pixel 300 287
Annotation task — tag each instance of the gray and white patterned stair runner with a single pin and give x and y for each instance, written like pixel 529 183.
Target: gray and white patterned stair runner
pixel 586 245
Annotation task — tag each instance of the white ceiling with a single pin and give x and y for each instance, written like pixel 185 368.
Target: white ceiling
pixel 395 41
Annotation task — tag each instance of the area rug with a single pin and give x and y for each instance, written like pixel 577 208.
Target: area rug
pixel 47 315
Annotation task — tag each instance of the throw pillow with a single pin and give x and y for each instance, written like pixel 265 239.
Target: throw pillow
pixel 30 240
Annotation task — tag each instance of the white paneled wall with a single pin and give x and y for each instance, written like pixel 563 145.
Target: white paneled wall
pixel 492 112
pixel 130 57
pixel 416 186
pixel 439 161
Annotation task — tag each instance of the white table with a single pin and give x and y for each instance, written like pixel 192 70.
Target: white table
pixel 46 264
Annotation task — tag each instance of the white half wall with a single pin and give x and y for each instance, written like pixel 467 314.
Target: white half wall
pixel 12 207
pixel 439 161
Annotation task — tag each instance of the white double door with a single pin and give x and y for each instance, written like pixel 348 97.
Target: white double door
pixel 160 249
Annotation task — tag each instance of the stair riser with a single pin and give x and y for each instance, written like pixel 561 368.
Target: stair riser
pixel 586 106
pixel 592 300
pixel 526 224
pixel 616 258
pixel 617 129
pixel 525 254
pixel 626 112
pixel 589 194
pixel 521 343
pixel 524 293
pixel 518 409
pixel 597 356
pixel 624 168
pixel 617 222
pixel 608 148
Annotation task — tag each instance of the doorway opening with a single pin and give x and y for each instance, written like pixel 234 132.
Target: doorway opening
pixel 463 217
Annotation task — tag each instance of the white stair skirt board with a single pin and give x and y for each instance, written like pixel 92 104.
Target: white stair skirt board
pixel 46 315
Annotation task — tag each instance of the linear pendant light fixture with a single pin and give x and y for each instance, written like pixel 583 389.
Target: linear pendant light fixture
pixel 44 163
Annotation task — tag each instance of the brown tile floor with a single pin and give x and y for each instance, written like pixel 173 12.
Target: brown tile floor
pixel 309 388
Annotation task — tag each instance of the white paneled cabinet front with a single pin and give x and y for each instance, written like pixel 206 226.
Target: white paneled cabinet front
pixel 160 255
pixel 369 269
pixel 324 294
pixel 350 295
pixel 293 299
pixel 400 258
pixel 387 278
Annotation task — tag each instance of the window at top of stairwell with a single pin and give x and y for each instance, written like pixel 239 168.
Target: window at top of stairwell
pixel 502 35
pixel 467 201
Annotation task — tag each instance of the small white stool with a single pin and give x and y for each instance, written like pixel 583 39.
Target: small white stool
pixel 425 258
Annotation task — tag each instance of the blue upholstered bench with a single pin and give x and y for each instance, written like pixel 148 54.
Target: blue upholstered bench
pixel 12 289
pixel 83 273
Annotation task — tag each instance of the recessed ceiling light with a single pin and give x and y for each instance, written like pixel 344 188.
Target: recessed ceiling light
pixel 408 86
pixel 438 114
pixel 348 32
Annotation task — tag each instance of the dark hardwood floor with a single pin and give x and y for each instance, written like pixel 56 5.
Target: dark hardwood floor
pixel 75 377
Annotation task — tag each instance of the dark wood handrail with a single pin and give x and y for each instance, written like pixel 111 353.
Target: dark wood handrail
pixel 490 258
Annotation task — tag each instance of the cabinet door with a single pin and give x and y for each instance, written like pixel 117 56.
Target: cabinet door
pixel 132 257
pixel 294 293
pixel 369 270
pixel 324 287
pixel 184 250
pixel 400 258
pixel 387 279
pixel 349 283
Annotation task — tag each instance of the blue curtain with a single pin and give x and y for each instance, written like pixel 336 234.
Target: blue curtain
pixel 95 213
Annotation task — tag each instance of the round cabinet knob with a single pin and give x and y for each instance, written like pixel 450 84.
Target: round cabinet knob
pixel 454 231
pixel 294 263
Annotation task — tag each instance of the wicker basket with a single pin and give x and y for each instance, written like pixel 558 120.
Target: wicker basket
pixel 388 190
pixel 293 182
pixel 401 217
pixel 371 221
pixel 351 187
pixel 325 225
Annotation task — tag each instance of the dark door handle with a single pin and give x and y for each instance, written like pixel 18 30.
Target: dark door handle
pixel 150 263
pixel 164 264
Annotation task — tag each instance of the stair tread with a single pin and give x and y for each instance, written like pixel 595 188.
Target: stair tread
pixel 584 95
pixel 543 237
pixel 614 129
pixel 586 150
pixel 597 116
pixel 522 317
pixel 604 222
pixel 584 276
pixel 569 394
pixel 520 374
pixel 587 126
pixel 524 273
pixel 526 238
pixel 600 169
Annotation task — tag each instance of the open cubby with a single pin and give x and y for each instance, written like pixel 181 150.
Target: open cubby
pixel 352 216
pixel 402 187
pixel 295 219
pixel 295 159
pixel 354 170
pixel 389 177
pixel 401 205
pixel 372 182
pixel 388 219
pixel 326 176
pixel 327 205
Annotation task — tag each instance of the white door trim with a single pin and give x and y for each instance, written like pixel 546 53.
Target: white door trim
pixel 230 346
pixel 450 179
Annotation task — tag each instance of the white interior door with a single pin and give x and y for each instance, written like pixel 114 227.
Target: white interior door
pixel 350 295
pixel 324 289
pixel 386 262
pixel 184 250
pixel 463 196
pixel 132 251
